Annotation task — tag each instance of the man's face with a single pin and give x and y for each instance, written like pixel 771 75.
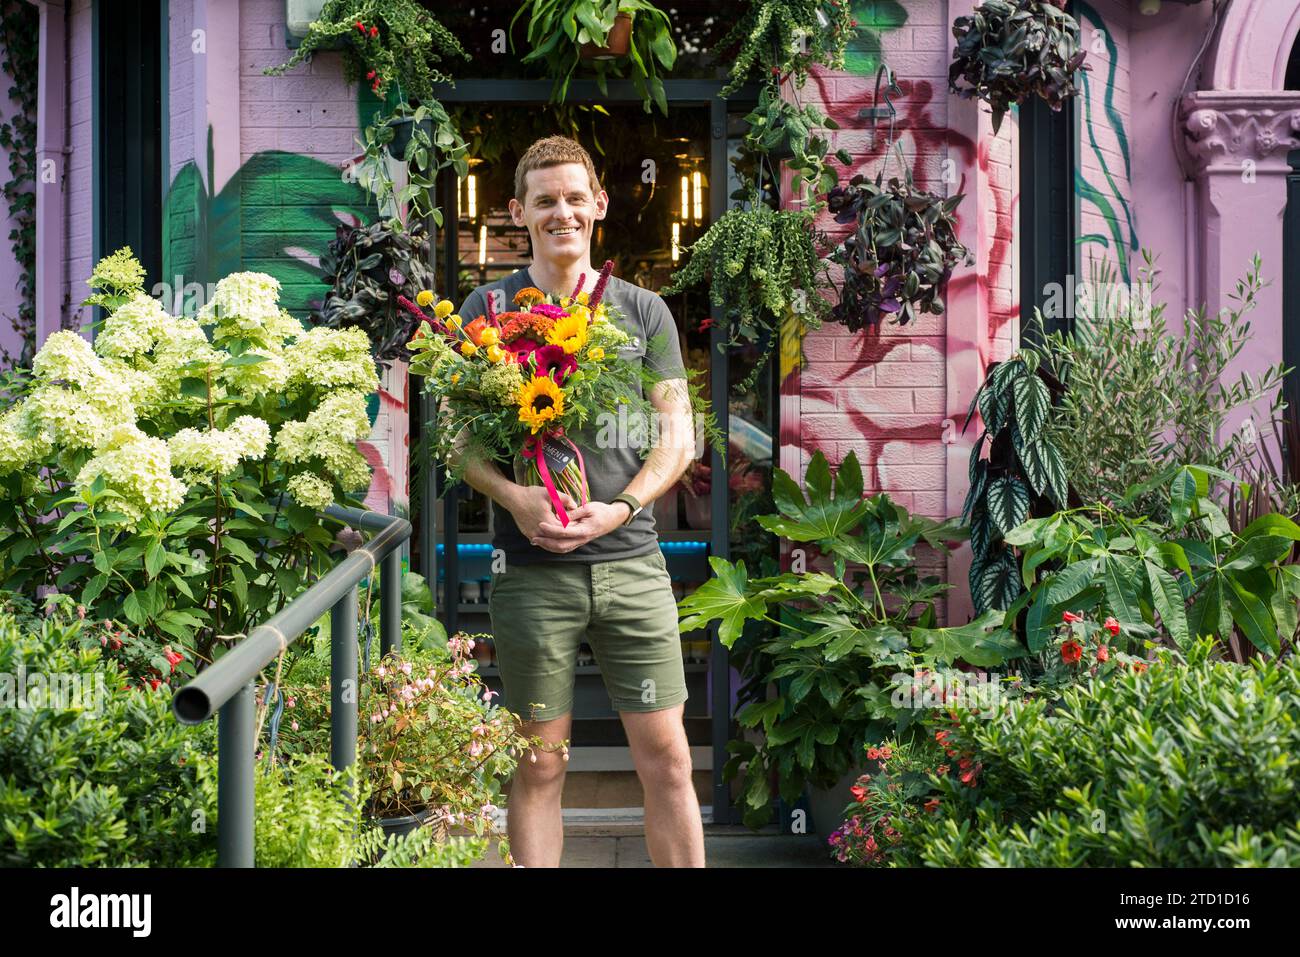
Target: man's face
pixel 559 211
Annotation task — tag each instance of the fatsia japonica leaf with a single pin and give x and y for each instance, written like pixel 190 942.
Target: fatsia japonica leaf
pixel 983 642
pixel 723 597
pixel 825 512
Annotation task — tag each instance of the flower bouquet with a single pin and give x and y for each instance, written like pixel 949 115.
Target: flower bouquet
pixel 514 384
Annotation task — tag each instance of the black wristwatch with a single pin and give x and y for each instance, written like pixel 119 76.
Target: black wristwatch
pixel 631 502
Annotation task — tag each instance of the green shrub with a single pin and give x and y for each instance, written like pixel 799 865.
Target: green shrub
pixel 104 777
pixel 1183 765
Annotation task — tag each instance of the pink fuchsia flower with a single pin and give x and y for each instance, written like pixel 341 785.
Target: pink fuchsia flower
pixel 1103 653
pixel 406 668
pixel 1070 616
pixel 1112 626
pixel 292 703
pixel 859 793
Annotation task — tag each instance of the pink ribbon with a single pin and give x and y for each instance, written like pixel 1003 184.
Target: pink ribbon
pixel 533 450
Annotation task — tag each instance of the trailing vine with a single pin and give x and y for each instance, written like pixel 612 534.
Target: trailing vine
pixel 19 43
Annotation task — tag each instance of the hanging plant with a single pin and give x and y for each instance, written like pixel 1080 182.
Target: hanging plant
pixel 901 253
pixel 425 139
pixel 385 42
pixel 785 38
pixel 762 265
pixel 613 35
pixel 1009 50
pixel 19 41
pixel 782 131
pixel 368 267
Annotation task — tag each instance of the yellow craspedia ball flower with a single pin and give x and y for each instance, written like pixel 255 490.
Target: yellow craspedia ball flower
pixel 495 353
pixel 595 353
pixel 468 348
pixel 453 321
pixel 443 309
pixel 423 298
pixel 488 337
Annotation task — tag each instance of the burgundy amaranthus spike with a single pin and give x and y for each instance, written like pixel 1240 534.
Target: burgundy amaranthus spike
pixel 582 281
pixel 599 291
pixel 415 310
pixel 491 311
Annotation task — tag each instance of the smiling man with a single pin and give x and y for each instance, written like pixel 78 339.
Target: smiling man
pixel 602 578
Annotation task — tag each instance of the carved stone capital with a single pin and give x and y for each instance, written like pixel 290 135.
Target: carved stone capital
pixel 1224 129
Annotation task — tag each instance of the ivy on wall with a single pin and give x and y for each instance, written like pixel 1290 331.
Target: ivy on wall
pixel 19 39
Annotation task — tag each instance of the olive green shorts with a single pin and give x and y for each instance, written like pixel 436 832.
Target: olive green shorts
pixel 624 609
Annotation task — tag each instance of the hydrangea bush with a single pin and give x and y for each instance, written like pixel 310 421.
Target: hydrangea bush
pixel 167 474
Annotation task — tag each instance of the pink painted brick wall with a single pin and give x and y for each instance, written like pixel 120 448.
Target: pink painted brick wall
pixel 78 183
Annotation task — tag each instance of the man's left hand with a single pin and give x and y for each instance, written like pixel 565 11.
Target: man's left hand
pixel 585 523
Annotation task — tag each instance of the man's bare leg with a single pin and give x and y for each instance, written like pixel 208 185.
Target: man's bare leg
pixel 674 834
pixel 534 819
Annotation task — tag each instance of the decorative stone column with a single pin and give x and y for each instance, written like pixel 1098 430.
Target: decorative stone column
pixel 1236 143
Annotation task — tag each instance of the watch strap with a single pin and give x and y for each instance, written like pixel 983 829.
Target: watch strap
pixel 632 503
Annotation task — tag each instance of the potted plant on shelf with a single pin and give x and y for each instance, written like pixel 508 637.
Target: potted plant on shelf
pixel 901 253
pixel 840 638
pixel 1008 50
pixel 785 37
pixel 615 35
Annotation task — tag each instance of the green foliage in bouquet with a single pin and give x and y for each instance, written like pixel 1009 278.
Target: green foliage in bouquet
pixel 1009 50
pixel 786 37
pixel 558 28
pixel 841 636
pixel 1188 764
pixel 169 474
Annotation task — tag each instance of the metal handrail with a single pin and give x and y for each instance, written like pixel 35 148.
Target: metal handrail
pixel 227 686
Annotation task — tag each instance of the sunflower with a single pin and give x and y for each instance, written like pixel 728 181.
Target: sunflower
pixel 569 332
pixel 540 401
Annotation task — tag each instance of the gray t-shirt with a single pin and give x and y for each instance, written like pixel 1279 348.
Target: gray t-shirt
pixel 609 470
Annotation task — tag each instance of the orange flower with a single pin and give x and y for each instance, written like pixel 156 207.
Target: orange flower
pixel 515 325
pixel 528 296
pixel 475 329
pixel 1071 652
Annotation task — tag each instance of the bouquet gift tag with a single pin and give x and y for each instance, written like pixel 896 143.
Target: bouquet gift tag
pixel 558 456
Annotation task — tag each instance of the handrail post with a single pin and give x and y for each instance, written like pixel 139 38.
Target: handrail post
pixel 236 771
pixel 390 603
pixel 343 681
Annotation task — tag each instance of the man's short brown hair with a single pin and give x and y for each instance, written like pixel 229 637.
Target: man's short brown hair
pixel 552 151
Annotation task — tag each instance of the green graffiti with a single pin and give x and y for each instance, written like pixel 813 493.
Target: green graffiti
pixel 275 215
pixel 1093 239
pixel 1116 222
pixel 875 17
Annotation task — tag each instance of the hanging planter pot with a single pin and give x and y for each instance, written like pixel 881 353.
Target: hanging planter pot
pixel 403 128
pixel 616 44
pixel 407 823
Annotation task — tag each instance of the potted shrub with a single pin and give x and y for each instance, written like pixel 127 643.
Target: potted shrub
pixel 433 750
pixel 840 637
pixel 615 35
pixel 367 268
pixel 785 37
pixel 901 253
pixel 1008 50
pixel 762 265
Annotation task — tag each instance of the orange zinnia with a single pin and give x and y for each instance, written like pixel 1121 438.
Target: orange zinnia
pixel 528 296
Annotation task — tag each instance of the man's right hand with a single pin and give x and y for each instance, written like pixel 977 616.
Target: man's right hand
pixel 532 505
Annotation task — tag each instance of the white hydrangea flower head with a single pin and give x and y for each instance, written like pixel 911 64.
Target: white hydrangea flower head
pixel 22 442
pixel 219 451
pixel 140 472
pixel 66 356
pixel 332 359
pixel 329 434
pixel 147 390
pixel 340 417
pixel 245 300
pixel 80 418
pixel 134 328
pixel 310 491
pixel 258 378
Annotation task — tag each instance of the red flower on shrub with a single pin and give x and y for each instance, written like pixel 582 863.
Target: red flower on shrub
pixel 374 31
pixel 1071 651
pixel 173 657
pixel 932 805
pixel 1070 616
pixel 1103 653
pixel 1112 626
pixel 859 793
pixel 361 26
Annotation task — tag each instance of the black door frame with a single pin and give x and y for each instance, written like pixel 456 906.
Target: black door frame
pixel 680 93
